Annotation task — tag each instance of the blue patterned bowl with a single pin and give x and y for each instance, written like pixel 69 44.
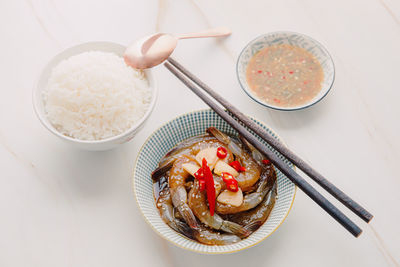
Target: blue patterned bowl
pixel 291 38
pixel 165 138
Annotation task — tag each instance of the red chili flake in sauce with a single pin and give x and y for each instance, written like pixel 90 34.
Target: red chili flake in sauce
pixel 277 100
pixel 284 71
pixel 260 71
pixel 305 82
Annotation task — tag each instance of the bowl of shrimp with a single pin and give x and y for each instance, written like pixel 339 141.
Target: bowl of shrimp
pixel 205 189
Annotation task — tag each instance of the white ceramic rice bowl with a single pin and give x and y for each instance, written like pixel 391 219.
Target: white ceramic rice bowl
pixel 103 144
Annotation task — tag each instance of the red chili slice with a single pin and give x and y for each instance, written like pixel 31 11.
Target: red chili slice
pixel 199 175
pixel 210 189
pixel 230 181
pixel 222 152
pixel 202 184
pixel 232 187
pixel 227 177
pixel 237 166
pixel 266 161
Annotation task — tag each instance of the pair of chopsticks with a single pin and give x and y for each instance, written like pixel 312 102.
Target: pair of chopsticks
pixel 234 118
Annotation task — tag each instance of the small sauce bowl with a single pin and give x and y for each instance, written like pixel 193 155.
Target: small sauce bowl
pixel 294 39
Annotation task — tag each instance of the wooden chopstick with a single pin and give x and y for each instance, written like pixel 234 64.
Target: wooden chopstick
pixel 285 169
pixel 296 160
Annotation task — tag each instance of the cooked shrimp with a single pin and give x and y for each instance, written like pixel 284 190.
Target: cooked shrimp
pixel 161 170
pixel 197 202
pixel 190 149
pixel 249 177
pixel 219 184
pixel 176 180
pixel 184 207
pixel 171 218
pixel 210 237
pixel 193 149
pixel 185 144
pixel 254 218
pixel 267 180
pixel 257 156
pixel 164 205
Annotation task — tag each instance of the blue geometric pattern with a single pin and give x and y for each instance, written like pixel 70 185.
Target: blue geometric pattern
pixel 163 140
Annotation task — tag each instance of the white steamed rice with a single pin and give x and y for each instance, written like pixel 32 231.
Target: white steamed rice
pixel 95 95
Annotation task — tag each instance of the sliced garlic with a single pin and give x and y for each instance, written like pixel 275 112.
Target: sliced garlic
pixel 222 166
pixel 217 187
pixel 234 199
pixel 190 168
pixel 210 154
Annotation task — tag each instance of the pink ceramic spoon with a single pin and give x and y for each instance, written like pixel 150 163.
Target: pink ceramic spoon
pixel 152 50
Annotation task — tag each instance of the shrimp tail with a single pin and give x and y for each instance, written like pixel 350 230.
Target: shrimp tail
pixel 188 216
pixel 235 148
pixel 249 147
pixel 161 170
pixel 257 156
pixel 219 135
pixel 223 138
pixel 253 226
pixel 183 228
pixel 235 228
pixel 171 152
pixel 265 184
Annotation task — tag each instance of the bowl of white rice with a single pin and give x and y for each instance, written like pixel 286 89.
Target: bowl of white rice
pixel 89 97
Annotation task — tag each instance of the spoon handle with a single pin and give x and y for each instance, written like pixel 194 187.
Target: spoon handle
pixel 215 32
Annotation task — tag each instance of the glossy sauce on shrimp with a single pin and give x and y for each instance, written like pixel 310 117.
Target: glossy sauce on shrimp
pixel 214 188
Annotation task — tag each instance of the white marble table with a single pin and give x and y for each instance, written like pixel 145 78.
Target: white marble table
pixel 63 207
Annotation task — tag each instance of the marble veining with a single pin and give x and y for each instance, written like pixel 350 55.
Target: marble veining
pixel 391 13
pixel 58 209
pixel 41 22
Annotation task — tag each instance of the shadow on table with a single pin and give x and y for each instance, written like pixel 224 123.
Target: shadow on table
pixel 90 174
pixel 292 120
pixel 258 255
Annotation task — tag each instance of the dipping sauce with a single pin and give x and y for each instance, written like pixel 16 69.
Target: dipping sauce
pixel 284 75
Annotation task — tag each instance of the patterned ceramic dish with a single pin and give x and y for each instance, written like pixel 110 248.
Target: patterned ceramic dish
pixel 296 39
pixel 165 138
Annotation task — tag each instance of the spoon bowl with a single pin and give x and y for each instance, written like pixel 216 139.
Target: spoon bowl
pixel 153 49
pixel 150 50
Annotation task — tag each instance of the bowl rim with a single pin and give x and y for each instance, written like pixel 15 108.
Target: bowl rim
pixel 41 116
pixel 179 245
pixel 245 89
